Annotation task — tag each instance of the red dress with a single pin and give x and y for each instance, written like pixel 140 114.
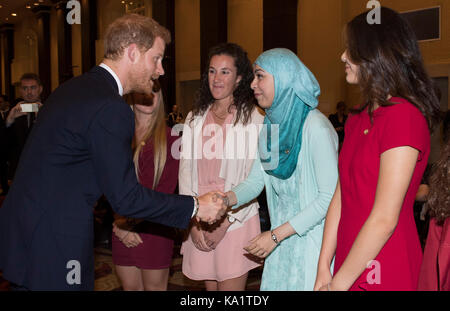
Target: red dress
pixel 157 250
pixel 435 270
pixel 359 162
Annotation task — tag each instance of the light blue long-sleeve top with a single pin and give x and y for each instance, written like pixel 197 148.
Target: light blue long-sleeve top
pixel 302 200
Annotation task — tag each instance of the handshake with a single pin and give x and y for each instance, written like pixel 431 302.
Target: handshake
pixel 212 206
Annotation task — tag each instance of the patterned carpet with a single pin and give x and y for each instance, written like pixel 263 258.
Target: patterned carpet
pixel 105 276
pixel 106 279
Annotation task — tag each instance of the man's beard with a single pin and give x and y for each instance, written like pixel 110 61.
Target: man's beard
pixel 142 82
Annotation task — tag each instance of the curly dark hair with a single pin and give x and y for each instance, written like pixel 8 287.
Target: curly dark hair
pixel 243 98
pixel 439 197
pixel 390 63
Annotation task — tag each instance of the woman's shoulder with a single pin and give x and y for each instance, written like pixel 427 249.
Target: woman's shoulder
pixel 401 110
pixel 316 119
pixel 257 115
pixel 193 118
pixel 190 114
pixel 317 126
pixel 402 104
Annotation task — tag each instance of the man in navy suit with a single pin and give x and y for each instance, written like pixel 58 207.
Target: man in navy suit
pixel 79 149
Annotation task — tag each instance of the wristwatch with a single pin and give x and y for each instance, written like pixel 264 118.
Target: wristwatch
pixel 274 237
pixel 231 219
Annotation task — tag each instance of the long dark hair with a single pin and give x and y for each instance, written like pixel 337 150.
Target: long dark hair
pixel 243 98
pixel 390 63
pixel 438 200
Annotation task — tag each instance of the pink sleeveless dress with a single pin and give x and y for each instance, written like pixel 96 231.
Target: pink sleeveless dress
pixel 229 260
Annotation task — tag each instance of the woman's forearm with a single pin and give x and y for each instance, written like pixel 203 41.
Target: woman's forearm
pixel 284 231
pixel 373 235
pixel 250 188
pixel 329 241
pixel 396 170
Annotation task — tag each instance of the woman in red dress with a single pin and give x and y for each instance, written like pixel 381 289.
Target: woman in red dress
pixel 142 253
pixel 370 226
pixel 435 270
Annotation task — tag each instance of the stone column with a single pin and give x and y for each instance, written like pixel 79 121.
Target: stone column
pixel 280 24
pixel 7 37
pixel 164 13
pixel 43 34
pixel 64 37
pixel 213 27
pixel 88 33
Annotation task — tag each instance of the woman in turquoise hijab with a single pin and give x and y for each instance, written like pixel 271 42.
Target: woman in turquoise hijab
pixel 297 163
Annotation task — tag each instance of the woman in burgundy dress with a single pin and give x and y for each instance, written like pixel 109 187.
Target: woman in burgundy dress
pixel 370 225
pixel 142 252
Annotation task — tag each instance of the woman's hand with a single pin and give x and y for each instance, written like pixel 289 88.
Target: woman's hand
pixel 216 234
pixel 128 238
pixel 323 278
pixel 198 238
pixel 262 245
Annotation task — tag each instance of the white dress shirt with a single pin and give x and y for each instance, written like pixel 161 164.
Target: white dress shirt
pixel 119 84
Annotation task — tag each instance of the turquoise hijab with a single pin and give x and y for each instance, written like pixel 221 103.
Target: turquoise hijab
pixel 296 92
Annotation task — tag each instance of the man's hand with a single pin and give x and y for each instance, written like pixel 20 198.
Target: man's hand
pixel 14 113
pixel 211 207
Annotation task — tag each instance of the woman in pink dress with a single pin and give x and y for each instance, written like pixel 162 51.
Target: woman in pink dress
pixel 219 145
pixel 142 252
pixel 370 226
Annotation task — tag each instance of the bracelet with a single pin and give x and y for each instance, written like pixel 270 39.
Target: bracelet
pixel 121 239
pixel 274 237
pixel 196 204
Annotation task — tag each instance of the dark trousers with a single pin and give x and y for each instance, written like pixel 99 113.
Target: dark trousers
pixel 17 288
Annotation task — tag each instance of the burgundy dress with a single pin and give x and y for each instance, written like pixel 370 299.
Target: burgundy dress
pixel 157 250
pixel 359 162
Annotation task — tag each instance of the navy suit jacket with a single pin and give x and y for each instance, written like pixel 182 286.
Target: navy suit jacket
pixel 79 149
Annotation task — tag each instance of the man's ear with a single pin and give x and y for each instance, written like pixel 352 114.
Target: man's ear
pixel 132 53
pixel 40 89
